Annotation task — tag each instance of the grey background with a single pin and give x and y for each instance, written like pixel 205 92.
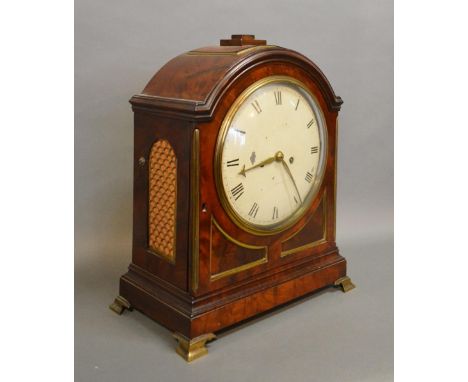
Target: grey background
pixel 327 337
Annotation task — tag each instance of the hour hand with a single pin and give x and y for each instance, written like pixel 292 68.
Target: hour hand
pixel 262 163
pixel 242 172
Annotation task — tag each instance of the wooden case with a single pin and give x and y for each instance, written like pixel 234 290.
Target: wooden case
pixel 218 274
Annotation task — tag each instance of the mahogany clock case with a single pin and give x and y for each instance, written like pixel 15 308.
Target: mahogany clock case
pixel 219 274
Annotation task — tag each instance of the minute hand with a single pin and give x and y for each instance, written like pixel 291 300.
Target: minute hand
pixel 285 165
pixel 262 163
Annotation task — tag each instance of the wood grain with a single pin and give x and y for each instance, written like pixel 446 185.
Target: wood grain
pixel 195 91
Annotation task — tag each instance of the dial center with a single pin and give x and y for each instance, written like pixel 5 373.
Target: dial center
pixel 279 156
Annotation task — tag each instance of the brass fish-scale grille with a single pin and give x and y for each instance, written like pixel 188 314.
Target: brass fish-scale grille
pixel 162 199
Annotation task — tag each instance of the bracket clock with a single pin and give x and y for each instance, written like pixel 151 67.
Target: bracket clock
pixel 234 189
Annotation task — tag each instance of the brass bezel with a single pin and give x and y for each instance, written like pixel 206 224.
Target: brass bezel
pixel 323 131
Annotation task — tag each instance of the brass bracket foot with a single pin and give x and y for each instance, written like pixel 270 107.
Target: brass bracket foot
pixel 119 305
pixel 190 349
pixel 345 283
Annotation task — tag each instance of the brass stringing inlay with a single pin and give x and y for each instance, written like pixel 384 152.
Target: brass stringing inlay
pixel 162 200
pixel 240 268
pixel 195 195
pixel 322 240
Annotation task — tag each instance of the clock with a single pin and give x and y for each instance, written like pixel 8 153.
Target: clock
pixel 270 155
pixel 234 212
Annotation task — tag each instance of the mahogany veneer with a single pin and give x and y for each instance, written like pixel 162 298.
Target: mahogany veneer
pixel 212 282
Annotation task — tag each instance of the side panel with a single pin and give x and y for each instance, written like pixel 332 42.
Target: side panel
pixel 161 197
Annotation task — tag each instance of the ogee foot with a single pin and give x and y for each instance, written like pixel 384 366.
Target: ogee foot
pixel 119 305
pixel 190 349
pixel 345 283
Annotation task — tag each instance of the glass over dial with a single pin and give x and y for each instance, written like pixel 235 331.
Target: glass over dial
pixel 271 152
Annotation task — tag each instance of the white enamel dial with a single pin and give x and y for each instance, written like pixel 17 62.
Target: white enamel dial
pixel 272 152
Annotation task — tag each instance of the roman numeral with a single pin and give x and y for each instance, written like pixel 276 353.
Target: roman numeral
pixel 310 123
pixel 253 211
pixel 314 150
pixel 295 199
pixel 237 191
pixel 297 104
pixel 234 162
pixel 309 177
pixel 256 106
pixel 239 131
pixel 275 213
pixel 278 98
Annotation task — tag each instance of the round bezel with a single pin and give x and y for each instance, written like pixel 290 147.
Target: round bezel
pixel 297 214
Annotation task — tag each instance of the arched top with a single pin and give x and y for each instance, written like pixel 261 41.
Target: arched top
pixel 192 83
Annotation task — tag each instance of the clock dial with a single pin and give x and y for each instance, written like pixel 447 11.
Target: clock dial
pixel 271 154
